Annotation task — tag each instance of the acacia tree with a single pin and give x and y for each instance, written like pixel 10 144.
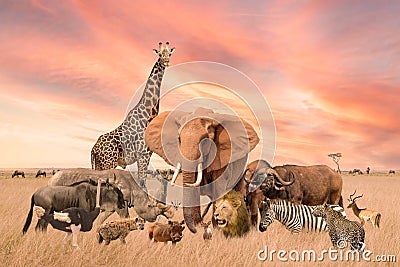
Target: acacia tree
pixel 336 157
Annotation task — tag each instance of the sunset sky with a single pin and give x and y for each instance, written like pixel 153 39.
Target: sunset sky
pixel 330 71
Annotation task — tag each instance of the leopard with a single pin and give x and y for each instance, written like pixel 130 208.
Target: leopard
pixel 341 230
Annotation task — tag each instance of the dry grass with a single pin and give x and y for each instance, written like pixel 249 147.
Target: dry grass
pixel 34 249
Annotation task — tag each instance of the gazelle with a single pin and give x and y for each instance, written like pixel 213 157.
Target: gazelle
pixel 364 214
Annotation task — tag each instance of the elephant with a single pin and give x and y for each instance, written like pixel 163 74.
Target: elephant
pixel 210 148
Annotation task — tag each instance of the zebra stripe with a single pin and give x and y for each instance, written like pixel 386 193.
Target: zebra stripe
pixel 295 217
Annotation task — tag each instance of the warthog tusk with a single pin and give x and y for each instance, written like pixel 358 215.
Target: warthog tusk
pixel 177 169
pixel 199 176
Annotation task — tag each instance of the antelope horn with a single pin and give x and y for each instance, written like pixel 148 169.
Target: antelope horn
pixel 199 176
pixel 178 167
pixel 354 199
pixel 350 199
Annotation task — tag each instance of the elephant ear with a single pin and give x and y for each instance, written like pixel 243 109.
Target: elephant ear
pixel 234 138
pixel 161 136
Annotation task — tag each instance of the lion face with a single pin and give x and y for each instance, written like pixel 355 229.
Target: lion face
pixel 225 212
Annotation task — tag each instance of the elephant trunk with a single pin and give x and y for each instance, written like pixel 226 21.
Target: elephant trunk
pixel 191 202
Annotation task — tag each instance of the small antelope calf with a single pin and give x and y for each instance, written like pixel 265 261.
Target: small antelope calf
pixel 364 214
pixel 172 231
pixel 207 235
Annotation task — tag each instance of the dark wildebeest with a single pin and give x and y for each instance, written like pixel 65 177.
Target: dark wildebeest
pixel 367 170
pixel 80 195
pixel 259 174
pixel 72 220
pixel 161 232
pixel 355 171
pixel 313 185
pixel 134 196
pixel 17 173
pixel 40 173
pixel 392 172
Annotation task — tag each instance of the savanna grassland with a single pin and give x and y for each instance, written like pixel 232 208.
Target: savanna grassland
pixel 36 249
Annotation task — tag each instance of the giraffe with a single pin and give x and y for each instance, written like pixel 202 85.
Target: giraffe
pixel 125 145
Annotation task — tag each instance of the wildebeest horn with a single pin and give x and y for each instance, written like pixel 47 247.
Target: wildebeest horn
pixel 199 176
pixel 177 169
pixel 280 180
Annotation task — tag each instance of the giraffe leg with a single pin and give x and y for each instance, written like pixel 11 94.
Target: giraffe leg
pixel 142 162
pixel 75 232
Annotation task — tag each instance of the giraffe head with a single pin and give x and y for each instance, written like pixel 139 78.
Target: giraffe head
pixel 164 53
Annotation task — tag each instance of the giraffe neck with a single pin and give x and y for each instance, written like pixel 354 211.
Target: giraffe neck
pixel 151 94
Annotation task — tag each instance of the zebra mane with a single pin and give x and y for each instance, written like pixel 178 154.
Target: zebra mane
pixel 282 202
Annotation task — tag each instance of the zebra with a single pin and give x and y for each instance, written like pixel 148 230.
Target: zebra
pixel 294 217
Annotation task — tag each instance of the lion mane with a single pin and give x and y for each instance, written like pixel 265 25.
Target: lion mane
pixel 238 224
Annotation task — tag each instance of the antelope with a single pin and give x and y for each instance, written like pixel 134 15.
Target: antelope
pixel 364 214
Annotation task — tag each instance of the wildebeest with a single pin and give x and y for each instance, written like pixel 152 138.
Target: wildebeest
pixel 81 195
pixel 17 173
pixel 134 196
pixel 392 172
pixel 40 173
pixel 259 174
pixel 172 231
pixel 313 185
pixel 72 220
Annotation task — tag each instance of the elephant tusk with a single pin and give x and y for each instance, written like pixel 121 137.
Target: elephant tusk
pixel 177 169
pixel 199 176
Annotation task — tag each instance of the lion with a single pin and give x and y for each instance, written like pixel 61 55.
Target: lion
pixel 231 215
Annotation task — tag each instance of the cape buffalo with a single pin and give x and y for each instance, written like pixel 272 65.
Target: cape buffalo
pixel 81 195
pixel 313 185
pixel 259 174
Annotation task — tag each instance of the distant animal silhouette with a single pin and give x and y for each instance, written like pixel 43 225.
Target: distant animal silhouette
pixel 18 173
pixel 367 170
pixel 356 171
pixel 392 172
pixel 40 173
